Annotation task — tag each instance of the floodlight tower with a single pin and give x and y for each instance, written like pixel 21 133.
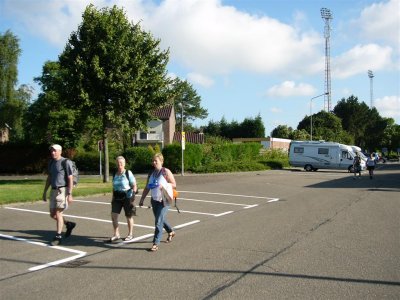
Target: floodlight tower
pixel 371 90
pixel 327 16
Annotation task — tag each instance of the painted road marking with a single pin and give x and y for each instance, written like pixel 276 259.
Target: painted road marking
pixel 53 263
pixel 222 194
pixel 77 217
pixel 146 236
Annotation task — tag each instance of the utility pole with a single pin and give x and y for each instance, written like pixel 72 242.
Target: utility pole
pixel 327 16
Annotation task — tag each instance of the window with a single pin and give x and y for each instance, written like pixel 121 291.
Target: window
pixel 346 154
pixel 323 150
pixel 298 150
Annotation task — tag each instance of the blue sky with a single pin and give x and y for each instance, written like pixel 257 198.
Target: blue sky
pixel 243 57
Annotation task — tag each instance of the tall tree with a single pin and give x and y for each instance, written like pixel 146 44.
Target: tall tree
pixel 252 128
pixel 113 71
pixel 13 101
pixel 282 131
pixel 47 119
pixel 326 126
pixel 361 122
pixel 9 54
pixel 249 128
pixel 183 93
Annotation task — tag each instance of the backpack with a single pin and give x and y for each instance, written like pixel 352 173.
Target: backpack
pixel 75 171
pixel 357 161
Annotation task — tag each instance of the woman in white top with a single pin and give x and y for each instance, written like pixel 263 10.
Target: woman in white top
pixel 371 161
pixel 159 181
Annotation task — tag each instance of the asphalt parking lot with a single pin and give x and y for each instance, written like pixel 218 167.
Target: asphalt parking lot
pixel 258 235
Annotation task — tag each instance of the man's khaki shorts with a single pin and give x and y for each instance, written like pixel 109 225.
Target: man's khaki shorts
pixel 58 198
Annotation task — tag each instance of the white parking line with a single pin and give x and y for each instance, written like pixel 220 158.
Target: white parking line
pixel 77 217
pixel 214 202
pixel 53 263
pixel 146 236
pixel 273 200
pixel 222 194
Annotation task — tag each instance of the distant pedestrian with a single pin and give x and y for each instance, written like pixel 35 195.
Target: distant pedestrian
pixel 357 166
pixel 160 181
pixel 124 190
pixel 371 162
pixel 60 179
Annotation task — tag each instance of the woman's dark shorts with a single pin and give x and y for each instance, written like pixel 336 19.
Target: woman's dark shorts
pixel 118 203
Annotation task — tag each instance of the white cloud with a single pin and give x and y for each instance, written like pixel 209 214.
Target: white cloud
pixel 380 21
pixel 275 110
pixel 50 20
pixel 200 79
pixel 209 37
pixel 361 58
pixel 203 35
pixel 290 88
pixel 388 106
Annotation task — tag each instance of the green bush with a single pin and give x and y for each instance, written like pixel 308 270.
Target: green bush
pixel 218 167
pixel 88 162
pixel 138 159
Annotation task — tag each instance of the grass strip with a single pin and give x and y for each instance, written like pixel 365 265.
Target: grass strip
pixel 31 190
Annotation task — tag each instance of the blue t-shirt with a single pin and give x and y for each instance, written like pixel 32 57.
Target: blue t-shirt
pixel 121 183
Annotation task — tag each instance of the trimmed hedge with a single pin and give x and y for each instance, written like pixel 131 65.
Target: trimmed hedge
pixel 205 158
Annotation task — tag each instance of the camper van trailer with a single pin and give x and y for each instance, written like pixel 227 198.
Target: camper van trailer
pixel 314 155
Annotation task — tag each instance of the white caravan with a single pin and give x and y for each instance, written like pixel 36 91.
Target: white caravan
pixel 314 155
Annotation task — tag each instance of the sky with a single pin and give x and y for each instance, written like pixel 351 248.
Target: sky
pixel 243 57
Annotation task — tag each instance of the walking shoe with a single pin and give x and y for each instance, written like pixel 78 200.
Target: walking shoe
pixel 57 240
pixel 70 226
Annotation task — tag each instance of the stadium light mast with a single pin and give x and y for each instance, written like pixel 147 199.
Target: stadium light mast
pixel 327 16
pixel 371 89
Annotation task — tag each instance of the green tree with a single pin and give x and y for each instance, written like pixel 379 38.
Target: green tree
pixel 364 124
pixel 326 126
pixel 13 102
pixel 252 128
pixel 9 54
pixel 391 135
pixel 184 94
pixel 113 71
pixel 249 128
pixel 282 131
pixel 48 119
pixel 299 135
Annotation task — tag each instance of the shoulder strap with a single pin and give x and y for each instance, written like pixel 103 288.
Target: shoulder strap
pixel 127 174
pixel 164 172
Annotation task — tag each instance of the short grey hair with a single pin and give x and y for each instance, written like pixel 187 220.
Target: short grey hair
pixel 120 158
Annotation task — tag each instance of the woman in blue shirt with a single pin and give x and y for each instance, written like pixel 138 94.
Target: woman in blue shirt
pixel 124 189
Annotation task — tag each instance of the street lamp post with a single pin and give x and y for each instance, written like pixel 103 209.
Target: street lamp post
pixel 311 122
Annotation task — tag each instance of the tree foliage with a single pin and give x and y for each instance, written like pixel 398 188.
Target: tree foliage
pixel 113 70
pixel 282 131
pixel 361 122
pixel 13 101
pixel 249 128
pixel 183 93
pixel 47 119
pixel 9 54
